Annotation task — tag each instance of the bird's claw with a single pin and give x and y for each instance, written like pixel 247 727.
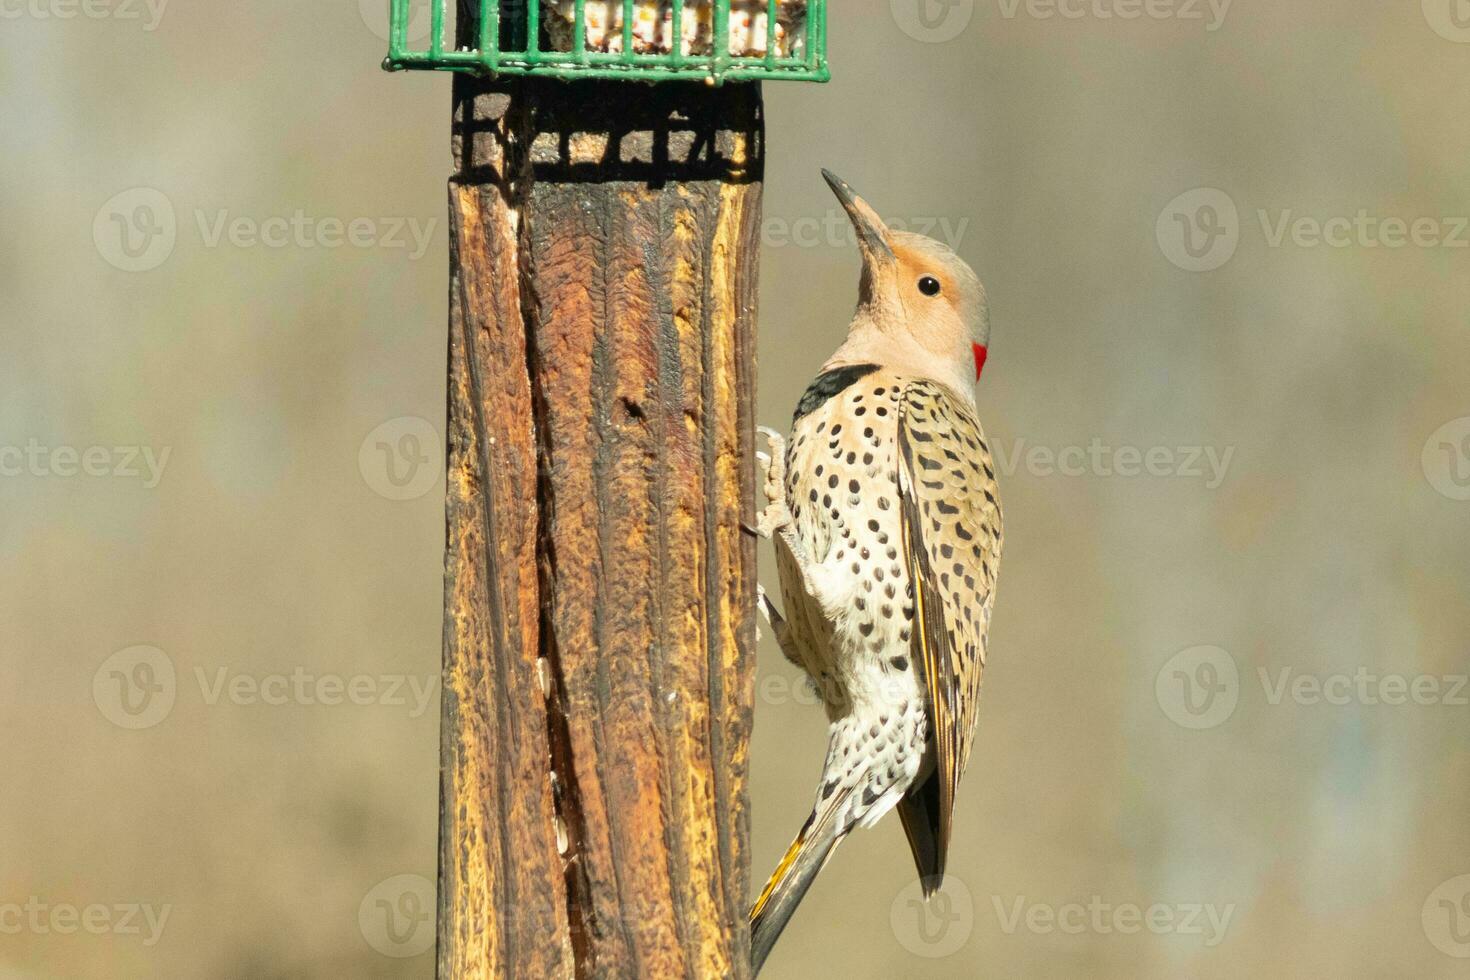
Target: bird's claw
pixel 775 518
pixel 776 514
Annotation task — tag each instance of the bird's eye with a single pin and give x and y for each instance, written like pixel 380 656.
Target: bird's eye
pixel 929 286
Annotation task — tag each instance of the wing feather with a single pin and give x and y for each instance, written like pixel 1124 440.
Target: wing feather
pixel 952 538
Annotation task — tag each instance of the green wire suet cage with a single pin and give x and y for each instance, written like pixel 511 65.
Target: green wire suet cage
pixel 717 40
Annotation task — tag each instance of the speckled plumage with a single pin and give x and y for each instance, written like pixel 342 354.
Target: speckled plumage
pixel 858 465
pixel 886 517
pixel 843 491
pixel 953 535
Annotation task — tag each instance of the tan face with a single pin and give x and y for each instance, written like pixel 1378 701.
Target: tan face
pixel 942 300
pixel 926 303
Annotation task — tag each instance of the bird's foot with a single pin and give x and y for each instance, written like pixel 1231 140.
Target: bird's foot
pixel 777 513
pixel 775 519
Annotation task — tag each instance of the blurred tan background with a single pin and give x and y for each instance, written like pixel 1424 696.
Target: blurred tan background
pixel 1225 731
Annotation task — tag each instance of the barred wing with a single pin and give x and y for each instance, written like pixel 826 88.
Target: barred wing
pixel 952 544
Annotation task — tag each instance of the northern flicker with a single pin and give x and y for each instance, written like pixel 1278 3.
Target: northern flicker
pixel 887 527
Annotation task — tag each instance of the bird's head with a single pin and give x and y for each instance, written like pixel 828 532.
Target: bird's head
pixel 921 308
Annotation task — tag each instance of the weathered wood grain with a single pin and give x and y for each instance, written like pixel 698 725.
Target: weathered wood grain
pixel 599 639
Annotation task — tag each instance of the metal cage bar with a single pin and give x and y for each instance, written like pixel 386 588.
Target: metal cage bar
pixel 501 19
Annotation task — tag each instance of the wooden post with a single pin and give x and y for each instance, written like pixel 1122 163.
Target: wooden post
pixel 599 635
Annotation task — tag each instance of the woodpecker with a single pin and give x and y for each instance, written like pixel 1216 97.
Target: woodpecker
pixel 886 520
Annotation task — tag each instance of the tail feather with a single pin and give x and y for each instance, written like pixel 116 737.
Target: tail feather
pixel 920 812
pixel 805 858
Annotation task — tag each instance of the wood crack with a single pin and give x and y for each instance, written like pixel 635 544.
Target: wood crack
pixel 597 617
pixel 566 796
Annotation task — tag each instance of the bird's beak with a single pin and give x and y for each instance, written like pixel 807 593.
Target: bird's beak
pixel 872 233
